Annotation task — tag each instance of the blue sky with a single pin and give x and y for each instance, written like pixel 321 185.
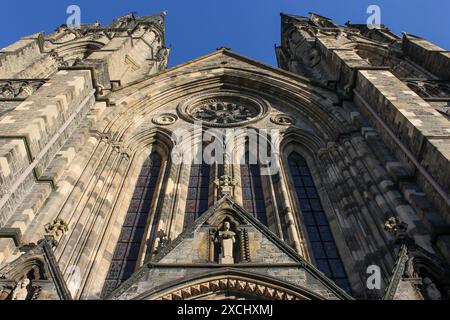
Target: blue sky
pixel 248 27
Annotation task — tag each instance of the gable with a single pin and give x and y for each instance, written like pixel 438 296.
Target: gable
pixel 189 258
pixel 224 64
pixel 195 245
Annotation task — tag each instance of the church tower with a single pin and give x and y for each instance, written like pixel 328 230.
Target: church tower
pixel 224 178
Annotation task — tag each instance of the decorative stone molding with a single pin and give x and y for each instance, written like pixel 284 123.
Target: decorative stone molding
pixel 223 109
pixel 429 88
pixel 398 228
pixel 57 228
pixel 225 184
pixel 165 119
pixel 331 147
pixel 19 89
pixel 233 284
pixel 283 120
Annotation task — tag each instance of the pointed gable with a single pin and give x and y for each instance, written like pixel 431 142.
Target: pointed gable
pixel 193 245
pixel 261 258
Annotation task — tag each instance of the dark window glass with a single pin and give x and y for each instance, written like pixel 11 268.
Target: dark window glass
pixel 198 193
pixel 252 192
pixel 322 242
pixel 126 253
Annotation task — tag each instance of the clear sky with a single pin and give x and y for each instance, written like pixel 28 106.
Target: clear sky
pixel 248 27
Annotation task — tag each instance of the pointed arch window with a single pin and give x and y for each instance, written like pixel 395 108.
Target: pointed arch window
pixel 197 200
pixel 126 254
pixel 323 246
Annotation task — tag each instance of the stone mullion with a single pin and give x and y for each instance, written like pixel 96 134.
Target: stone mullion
pixel 150 231
pixel 273 214
pixel 214 174
pixel 77 216
pixel 174 204
pixel 238 196
pixel 175 222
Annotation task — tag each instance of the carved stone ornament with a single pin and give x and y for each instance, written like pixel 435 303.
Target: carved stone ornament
pixel 19 89
pixel 57 228
pixel 225 185
pixel 283 120
pixel 165 119
pixel 398 228
pixel 21 291
pixel 233 284
pixel 394 225
pixel 224 109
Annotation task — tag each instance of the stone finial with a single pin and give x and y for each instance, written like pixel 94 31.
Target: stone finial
pixel 56 229
pixel 397 227
pixel 225 185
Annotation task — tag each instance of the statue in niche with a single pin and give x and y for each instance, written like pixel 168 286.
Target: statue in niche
pixel 226 240
pixel 21 291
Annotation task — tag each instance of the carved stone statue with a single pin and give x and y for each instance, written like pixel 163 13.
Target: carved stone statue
pixel 21 291
pixel 227 239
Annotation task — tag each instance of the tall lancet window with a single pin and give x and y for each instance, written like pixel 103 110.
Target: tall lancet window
pixel 198 193
pixel 126 254
pixel 323 246
pixel 252 191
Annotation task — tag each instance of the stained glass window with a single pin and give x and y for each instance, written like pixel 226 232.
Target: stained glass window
pixel 313 216
pixel 198 193
pixel 252 192
pixel 126 253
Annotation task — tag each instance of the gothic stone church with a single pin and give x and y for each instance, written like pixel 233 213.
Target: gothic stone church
pixel 93 205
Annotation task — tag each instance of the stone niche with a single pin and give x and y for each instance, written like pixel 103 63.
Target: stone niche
pixel 228 242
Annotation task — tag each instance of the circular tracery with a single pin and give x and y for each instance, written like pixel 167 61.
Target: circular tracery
pixel 224 112
pixel 223 109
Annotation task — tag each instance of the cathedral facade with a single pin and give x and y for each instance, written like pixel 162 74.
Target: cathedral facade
pixel 106 193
